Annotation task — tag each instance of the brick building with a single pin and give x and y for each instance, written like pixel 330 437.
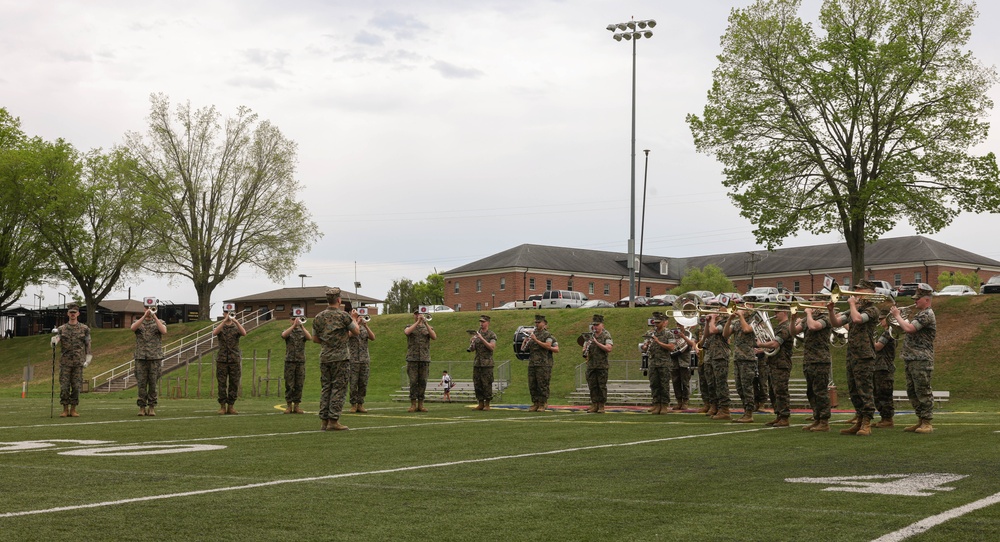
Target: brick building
pixel 516 273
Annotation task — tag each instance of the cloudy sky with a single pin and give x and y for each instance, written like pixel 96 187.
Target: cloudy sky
pixel 431 133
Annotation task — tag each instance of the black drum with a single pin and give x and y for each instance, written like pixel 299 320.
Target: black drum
pixel 519 336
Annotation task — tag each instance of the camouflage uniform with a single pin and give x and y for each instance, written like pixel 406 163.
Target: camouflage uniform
pixel 360 366
pixel 597 368
pixel 884 375
pixel 680 375
pixel 540 363
pixel 659 368
pixel 744 362
pixel 762 384
pixel 918 355
pixel 717 363
pixel 861 360
pixel 74 340
pixel 148 360
pixel 780 366
pixel 228 364
pixel 295 364
pixel 482 367
pixel 418 360
pixel 816 366
pixel 332 328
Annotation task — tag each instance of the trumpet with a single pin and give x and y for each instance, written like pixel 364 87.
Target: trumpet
pixel 150 303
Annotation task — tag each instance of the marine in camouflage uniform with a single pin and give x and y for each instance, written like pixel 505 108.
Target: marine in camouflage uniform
pixel 597 364
pixel 74 342
pixel 541 346
pixel 295 364
pixel 483 342
pixel 780 366
pixel 419 335
pixel 149 332
pixel 659 347
pixel 680 371
pixel 744 361
pixel 717 354
pixel 863 318
pixel 360 364
pixel 228 363
pixel 918 357
pixel 331 329
pixel 884 377
pixel 816 366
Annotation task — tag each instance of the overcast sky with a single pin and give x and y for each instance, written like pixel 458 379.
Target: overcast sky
pixel 431 133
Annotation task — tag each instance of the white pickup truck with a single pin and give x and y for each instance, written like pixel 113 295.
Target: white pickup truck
pixel 533 302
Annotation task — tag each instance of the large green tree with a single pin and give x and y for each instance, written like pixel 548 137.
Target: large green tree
pixel 229 190
pixel 405 295
pixel 94 217
pixel 23 258
pixel 710 278
pixel 852 128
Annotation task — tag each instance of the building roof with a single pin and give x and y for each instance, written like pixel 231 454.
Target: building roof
pixel 122 305
pixel 915 249
pixel 307 292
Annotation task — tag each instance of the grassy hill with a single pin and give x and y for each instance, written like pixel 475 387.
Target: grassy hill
pixel 967 342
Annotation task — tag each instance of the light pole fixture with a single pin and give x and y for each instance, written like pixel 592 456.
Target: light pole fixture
pixel 632 31
pixel 303 278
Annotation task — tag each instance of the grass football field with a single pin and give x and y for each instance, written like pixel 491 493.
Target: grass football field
pixel 457 474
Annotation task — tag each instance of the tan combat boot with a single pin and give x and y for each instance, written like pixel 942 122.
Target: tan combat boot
pixel 354 408
pixel 326 423
pixel 885 423
pixel 772 422
pixel 289 409
pixel 682 406
pixel 722 414
pixel 335 425
pixel 420 406
pixel 747 417
pixel 712 411
pixel 655 408
pixel 781 422
pixel 479 406
pixel 913 428
pixel 142 411
pixel 533 407
pixel 413 406
pixel 486 405
pixel 222 408
pixel 925 427
pixel 592 409
pixel 822 426
pixel 704 408
pixel 853 420
pixel 810 426
pixel 600 408
pixel 542 406
pixel 65 412
pixel 853 430
pixel 362 409
pixel 72 412
pixel 866 428
pixel 150 411
pixel 231 409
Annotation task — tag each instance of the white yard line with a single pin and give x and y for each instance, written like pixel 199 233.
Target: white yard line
pixel 366 473
pixel 926 523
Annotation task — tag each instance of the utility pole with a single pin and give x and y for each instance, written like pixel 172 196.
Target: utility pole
pixel 752 265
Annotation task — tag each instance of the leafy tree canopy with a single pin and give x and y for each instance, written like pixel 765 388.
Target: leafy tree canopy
pixel 710 278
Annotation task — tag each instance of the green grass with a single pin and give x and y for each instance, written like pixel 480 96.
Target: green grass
pixel 499 475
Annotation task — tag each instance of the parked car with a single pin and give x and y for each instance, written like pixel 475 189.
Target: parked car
pixel 655 302
pixel 883 287
pixel 668 299
pixel 956 289
pixel 910 288
pixel 559 299
pixel 640 301
pixel 991 286
pixel 510 305
pixel 705 295
pixel 436 308
pixel 598 304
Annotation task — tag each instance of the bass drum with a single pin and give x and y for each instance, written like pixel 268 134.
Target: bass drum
pixel 519 336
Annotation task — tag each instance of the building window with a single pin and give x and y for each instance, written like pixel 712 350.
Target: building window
pixel 664 267
pixel 649 291
pixel 456 286
pixel 458 307
pixel 780 284
pixel 479 306
pixel 590 288
pixel 607 288
pixel 279 308
pixel 479 285
pixel 897 279
pixel 847 282
pixel 917 277
pixel 531 283
pixel 548 284
pixel 795 287
pixel 503 283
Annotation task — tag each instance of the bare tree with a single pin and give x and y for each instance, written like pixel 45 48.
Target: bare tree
pixel 229 191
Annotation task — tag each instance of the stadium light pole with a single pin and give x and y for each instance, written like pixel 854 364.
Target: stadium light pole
pixel 632 31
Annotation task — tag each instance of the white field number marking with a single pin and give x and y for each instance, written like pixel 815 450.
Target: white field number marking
pixel 144 449
pixel 41 444
pixel 910 485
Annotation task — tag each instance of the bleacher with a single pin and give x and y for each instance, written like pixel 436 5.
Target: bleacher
pixel 463 390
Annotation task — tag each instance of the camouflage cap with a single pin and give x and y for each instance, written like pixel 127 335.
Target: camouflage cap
pixel 484 318
pixel 598 319
pixel 865 284
pixel 659 317
pixel 72 307
pixel 922 291
pixel 540 318
pixel 332 292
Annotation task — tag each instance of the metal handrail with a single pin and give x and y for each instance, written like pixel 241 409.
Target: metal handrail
pixel 171 350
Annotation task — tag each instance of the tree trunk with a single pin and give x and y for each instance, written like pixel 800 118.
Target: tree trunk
pixel 855 238
pixel 88 301
pixel 204 303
